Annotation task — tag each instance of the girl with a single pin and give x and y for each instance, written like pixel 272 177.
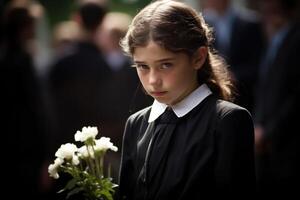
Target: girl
pixel 192 142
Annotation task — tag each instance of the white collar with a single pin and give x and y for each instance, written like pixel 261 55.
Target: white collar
pixel 183 107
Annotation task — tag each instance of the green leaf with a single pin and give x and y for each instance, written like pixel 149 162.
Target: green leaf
pixel 74 191
pixel 71 184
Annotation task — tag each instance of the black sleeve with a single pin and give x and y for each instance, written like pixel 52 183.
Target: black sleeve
pixel 235 169
pixel 127 168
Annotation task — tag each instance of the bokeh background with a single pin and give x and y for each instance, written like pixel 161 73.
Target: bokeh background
pixel 58 75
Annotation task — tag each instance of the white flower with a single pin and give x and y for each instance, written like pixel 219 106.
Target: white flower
pixel 75 160
pixel 52 169
pixel 86 133
pixel 66 151
pixel 83 153
pixel 104 144
pixel 85 164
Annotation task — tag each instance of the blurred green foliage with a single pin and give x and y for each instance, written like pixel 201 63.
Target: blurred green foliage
pixel 59 10
pixel 128 6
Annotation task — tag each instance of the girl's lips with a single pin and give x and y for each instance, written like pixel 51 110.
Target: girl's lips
pixel 158 93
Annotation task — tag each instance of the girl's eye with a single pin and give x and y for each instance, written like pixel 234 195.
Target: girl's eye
pixel 166 65
pixel 141 66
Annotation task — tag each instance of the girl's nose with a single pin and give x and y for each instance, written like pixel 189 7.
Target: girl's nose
pixel 154 78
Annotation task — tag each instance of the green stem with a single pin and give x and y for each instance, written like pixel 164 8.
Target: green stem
pixel 90 162
pixel 98 156
pixel 81 165
pixel 101 163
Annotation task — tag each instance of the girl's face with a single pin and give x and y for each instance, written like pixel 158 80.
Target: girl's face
pixel 166 76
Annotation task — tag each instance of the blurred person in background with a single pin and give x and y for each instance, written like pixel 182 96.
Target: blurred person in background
pixel 77 82
pixel 22 106
pixel 127 95
pixel 65 34
pixel 86 87
pixel 41 50
pixel 239 39
pixel 277 105
pixel 114 28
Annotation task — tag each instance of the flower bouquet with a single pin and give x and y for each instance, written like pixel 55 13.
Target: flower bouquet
pixel 85 166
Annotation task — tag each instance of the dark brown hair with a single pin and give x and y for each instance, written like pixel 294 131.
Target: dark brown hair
pixel 179 28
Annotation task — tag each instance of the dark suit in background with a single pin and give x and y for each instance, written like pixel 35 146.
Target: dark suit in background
pixel 22 109
pixel 239 39
pixel 277 112
pixel 277 105
pixel 76 85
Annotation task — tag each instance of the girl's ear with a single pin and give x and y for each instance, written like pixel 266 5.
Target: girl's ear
pixel 199 57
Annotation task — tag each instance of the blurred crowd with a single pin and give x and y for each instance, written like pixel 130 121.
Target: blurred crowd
pixel 82 79
pixel 262 51
pixel 54 82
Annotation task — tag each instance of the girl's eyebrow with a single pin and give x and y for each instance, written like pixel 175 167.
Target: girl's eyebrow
pixel 158 61
pixel 138 62
pixel 166 59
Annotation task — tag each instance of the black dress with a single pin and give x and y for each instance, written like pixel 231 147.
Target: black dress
pixel 207 152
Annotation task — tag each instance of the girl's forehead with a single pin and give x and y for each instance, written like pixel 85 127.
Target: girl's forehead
pixel 152 51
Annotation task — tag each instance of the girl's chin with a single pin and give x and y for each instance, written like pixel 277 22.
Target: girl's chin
pixel 163 100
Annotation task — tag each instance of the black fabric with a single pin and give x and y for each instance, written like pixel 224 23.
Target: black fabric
pixel 208 152
pixel 154 154
pixel 161 140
